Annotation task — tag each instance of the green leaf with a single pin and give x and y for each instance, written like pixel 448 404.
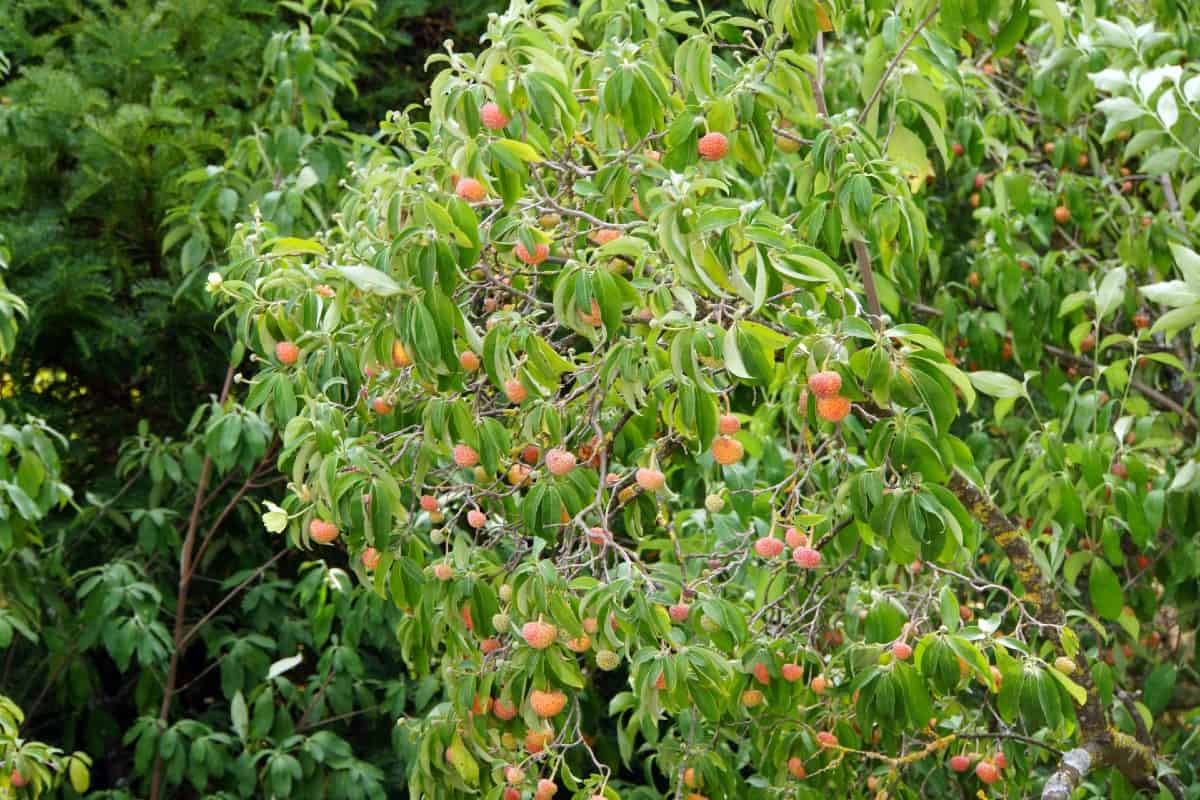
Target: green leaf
pixel 996 384
pixel 290 245
pixel 1104 588
pixel 369 279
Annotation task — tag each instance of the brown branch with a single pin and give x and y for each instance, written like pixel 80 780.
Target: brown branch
pixel 185 579
pixel 868 278
pixel 234 592
pixel 895 62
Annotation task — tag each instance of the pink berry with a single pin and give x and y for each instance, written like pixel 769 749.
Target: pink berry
pixel 807 557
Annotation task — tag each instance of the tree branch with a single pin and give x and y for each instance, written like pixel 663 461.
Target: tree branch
pixel 895 62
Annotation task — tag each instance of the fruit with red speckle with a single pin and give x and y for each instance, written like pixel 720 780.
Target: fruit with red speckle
pixel 960 763
pixel 986 771
pixel 726 450
pixel 650 479
pixel 322 531
pixel 429 503
pixel 476 518
pixel 768 547
pixel 833 409
pixel 539 635
pixel 728 424
pixel 370 558
pixel 752 698
pixel 540 253
pixel 795 538
pixel 537 740
pixel 546 789
pixel 761 673
pixel 514 775
pixel 1000 760
pixel 791 672
pixel 465 456
pixel 713 146
pixel 807 557
pixel 679 612
pixel 560 461
pixel 287 353
pixel 470 190
pixel 902 651
pixel 547 704
pixel 503 709
pixel 826 739
pixel 825 384
pixel 607 660
pixel 492 117
pixel 515 391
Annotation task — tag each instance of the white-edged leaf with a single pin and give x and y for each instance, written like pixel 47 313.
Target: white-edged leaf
pixel 1112 289
pixel 283 665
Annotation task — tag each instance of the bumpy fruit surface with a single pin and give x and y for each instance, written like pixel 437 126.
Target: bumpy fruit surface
pixel 579 644
pixel 791 672
pixel 546 789
pixel 807 557
pixel 752 698
pixel 547 704
pixel 825 384
pixel 443 571
pixel 489 645
pixel 429 503
pixel 560 461
pixel 492 117
pixel 761 673
pixel 819 684
pixel 679 612
pixel 1000 760
pixel 796 767
pixel 833 409
pixel 370 558
pixel 714 503
pixel 322 531
pixel 902 651
pixel 536 741
pixel 713 146
pixel 768 547
pixel 540 253
pixel 515 391
pixel 607 660
pixel 827 739
pixel 476 518
pixel 539 635
pixel 960 763
pixel 381 406
pixel 470 190
pixel 650 479
pixel 727 450
pixel 468 360
pixel 795 538
pixel 503 709
pixel 986 771
pixel 729 424
pixel 287 352
pixel 465 456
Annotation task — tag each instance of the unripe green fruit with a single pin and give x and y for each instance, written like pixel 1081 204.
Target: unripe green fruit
pixel 437 537
pixel 1064 665
pixel 709 624
pixel 714 503
pixel 607 660
pixel 505 592
pixel 500 622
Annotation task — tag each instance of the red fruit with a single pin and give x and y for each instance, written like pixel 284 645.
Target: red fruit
pixel 819 684
pixel 960 763
pixel 547 704
pixel 1062 215
pixel 902 651
pixel 476 518
pixel 322 531
pixel 536 741
pixel 531 454
pixel 381 406
pixel 400 355
pixel 762 674
pixel 833 409
pixel 1119 470
pixel 792 672
pixel 540 253
pixel 796 767
pixel 965 613
pixel 593 316
pixel 493 118
pixel 429 503
pixel 1000 760
pixel 1087 343
pixel 503 709
pixel 443 571
pixel 650 479
pixel 546 789
pixel 287 352
pixel 679 612
pixel 514 775
pixel 980 180
pixel 728 424
pixel 1141 320
pixel 825 384
pixel 807 557
pixel 726 450
pixel 599 536
pixel 986 771
pixel 17 779
pixel 470 190
pixel 465 456
pixel 468 360
pixel 603 236
pixel 795 538
pixel 539 635
pixel 958 149
pixel 661 682
pixel 370 558
pixel 713 146
pixel 489 645
pixel 515 391
pixel 768 547
pixel 560 461
pixel 827 739
pixel 465 613
pixel 1142 562
pixel 511 793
